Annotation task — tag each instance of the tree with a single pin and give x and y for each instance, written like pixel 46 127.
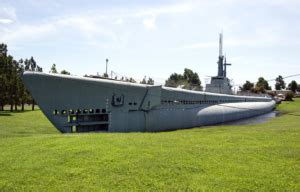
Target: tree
pixel 289 96
pixel 174 80
pixel 280 84
pixel 143 81
pixel 33 64
pixel 3 76
pixel 191 77
pixel 65 72
pixel 131 80
pixel 53 69
pixel 248 86
pixel 3 50
pixel 23 96
pixel 11 81
pixel 27 65
pixel 16 84
pixel 12 89
pixel 293 86
pixel 150 81
pixel 262 85
pixel 189 80
pixel 39 69
pixel 34 67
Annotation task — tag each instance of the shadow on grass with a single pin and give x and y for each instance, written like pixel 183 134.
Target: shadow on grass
pixel 293 114
pixel 288 113
pixel 8 112
pixel 5 114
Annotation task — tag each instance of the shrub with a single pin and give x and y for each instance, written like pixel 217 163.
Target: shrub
pixel 289 96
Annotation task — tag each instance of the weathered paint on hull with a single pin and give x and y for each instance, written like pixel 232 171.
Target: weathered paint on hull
pixel 86 104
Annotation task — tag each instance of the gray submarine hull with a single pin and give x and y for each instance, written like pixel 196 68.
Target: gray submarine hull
pixel 81 104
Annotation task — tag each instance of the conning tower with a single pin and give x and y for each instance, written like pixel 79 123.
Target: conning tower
pixel 220 83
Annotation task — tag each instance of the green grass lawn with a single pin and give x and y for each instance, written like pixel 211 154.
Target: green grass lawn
pixel 263 157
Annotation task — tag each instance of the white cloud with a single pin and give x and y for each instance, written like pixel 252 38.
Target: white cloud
pixel 149 23
pixel 90 24
pixel 237 42
pixel 8 13
pixel 150 15
pixel 6 21
pixel 119 21
pixel 201 45
pixel 102 23
pixel 169 9
pixel 27 33
pixel 87 26
pixel 84 24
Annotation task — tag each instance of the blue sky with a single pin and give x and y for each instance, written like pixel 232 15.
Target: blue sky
pixel 156 38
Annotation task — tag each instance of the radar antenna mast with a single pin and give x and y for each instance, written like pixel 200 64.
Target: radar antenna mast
pixel 222 64
pixel 221 57
pixel 221 45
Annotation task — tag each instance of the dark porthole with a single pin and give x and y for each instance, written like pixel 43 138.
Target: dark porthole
pixel 103 110
pixel 63 112
pixel 97 110
pixel 85 111
pixel 130 103
pixel 91 111
pixel 71 111
pixel 55 112
pixel 78 111
pixel 134 103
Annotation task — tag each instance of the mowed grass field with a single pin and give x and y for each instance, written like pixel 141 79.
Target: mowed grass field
pixel 263 157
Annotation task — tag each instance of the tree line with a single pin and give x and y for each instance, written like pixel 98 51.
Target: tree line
pixel 54 70
pixel 12 89
pixel 188 80
pixel 262 85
